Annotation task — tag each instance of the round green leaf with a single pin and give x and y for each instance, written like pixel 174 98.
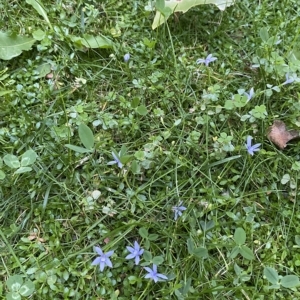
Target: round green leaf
pixel 13 296
pixel 11 161
pixel 142 110
pixel 246 252
pixel 28 158
pixel 2 175
pixel 14 282
pixel 27 288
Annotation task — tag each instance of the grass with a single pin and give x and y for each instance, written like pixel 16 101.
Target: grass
pixel 182 138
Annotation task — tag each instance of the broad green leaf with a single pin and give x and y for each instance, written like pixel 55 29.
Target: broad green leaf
pixel 135 167
pixel 264 35
pixel 11 161
pixel 43 70
pixel 239 236
pixel 14 282
pixel 5 92
pixel 27 288
pixel 285 178
pixel 13 45
pixel 13 296
pixel 246 252
pixel 142 110
pixel 86 136
pixel 37 5
pixel 23 170
pixel 39 34
pixel 135 102
pixel 183 6
pixel 200 252
pixel 28 158
pixel 290 281
pixel 153 237
pixel 271 275
pixel 78 149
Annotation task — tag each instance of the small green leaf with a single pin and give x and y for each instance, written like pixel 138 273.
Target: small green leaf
pixel 13 296
pixel 246 252
pixel 86 136
pixel 14 282
pixel 143 232
pixel 297 239
pixel 11 161
pixel 27 288
pixel 2 175
pixel 28 158
pixel 135 102
pixel 153 237
pixel 39 34
pixel 239 236
pixel 91 41
pixel 264 35
pixel 23 170
pixel 142 110
pixel 135 167
pixel 78 149
pixel 200 252
pixel 157 260
pixel 234 252
pixel 271 275
pixel 190 245
pixel 290 281
pixel 43 70
pixel 285 178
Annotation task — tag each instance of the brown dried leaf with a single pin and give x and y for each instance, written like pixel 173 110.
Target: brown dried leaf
pixel 279 135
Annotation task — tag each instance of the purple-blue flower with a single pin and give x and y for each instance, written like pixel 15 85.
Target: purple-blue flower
pixel 115 161
pixel 126 57
pixel 206 60
pixel 251 149
pixel 250 95
pixel 178 210
pixel 103 259
pixel 135 252
pixel 152 274
pixel 288 79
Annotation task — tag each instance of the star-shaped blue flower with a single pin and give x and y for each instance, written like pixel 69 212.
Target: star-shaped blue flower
pixel 250 95
pixel 152 274
pixel 116 160
pixel 103 259
pixel 135 252
pixel 251 149
pixel 206 60
pixel 178 210
pixel 288 79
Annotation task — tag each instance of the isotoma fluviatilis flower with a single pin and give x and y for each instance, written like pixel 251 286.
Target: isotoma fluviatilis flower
pixel 152 274
pixel 178 210
pixel 288 79
pixel 206 60
pixel 251 148
pixel 126 57
pixel 103 259
pixel 135 252
pixel 115 161
pixel 250 95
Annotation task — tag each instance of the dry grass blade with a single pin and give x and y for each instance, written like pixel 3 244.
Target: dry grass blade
pixel 279 135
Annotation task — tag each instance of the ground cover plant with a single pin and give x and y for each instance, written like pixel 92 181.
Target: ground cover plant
pixel 149 164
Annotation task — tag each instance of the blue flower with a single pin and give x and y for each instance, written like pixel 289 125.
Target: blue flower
pixel 126 57
pixel 178 210
pixel 152 274
pixel 135 252
pixel 251 149
pixel 207 60
pixel 288 79
pixel 103 259
pixel 115 161
pixel 250 95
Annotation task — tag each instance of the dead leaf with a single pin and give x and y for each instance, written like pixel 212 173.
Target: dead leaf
pixel 279 135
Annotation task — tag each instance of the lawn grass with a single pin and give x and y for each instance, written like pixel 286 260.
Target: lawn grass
pixel 179 129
